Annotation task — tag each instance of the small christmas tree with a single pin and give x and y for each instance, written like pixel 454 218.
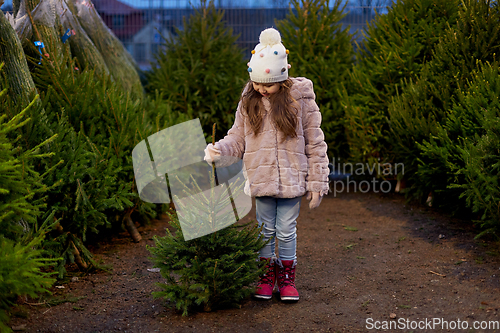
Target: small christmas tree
pixel 201 70
pixel 321 50
pixel 212 271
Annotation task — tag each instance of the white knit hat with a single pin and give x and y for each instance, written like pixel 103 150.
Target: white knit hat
pixel 269 59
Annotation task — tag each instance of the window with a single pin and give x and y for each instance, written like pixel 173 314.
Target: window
pixel 155 48
pixel 129 47
pixel 118 21
pixel 140 52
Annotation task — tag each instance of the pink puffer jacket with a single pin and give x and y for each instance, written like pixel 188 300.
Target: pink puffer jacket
pixel 281 169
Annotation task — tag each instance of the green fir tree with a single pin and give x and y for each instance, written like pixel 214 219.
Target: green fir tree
pixel 321 50
pixel 212 271
pixel 88 189
pixel 201 70
pixel 395 49
pixel 471 138
pixel 23 190
pixel 23 272
pixel 22 195
pixel 98 124
pixel 418 115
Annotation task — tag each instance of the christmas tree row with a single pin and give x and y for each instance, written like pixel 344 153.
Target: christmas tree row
pixel 423 93
pixel 72 108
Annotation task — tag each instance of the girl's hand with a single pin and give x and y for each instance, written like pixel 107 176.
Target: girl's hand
pixel 211 154
pixel 315 198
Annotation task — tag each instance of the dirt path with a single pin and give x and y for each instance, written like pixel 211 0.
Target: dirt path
pixel 360 256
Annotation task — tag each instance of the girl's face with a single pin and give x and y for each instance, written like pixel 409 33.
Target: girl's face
pixel 266 89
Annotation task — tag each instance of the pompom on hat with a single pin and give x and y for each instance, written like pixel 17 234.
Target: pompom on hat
pixel 269 59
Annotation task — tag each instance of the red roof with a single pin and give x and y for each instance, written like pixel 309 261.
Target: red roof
pixel 114 7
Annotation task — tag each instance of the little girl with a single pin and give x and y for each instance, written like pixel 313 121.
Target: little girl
pixel 277 134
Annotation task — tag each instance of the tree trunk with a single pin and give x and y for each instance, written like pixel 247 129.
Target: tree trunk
pixel 82 265
pixel 130 225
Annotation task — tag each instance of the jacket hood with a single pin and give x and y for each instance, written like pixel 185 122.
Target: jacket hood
pixel 302 88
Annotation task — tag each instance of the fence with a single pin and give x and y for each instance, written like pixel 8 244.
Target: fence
pixel 140 24
pixel 141 29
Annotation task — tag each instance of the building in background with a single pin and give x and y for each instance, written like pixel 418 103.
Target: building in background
pixel 124 20
pixel 148 41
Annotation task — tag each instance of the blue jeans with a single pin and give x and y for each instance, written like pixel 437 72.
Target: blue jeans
pixel 279 217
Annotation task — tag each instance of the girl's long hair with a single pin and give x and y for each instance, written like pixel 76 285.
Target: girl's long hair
pixel 283 109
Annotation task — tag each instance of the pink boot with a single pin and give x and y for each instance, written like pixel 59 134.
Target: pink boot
pixel 286 280
pixel 267 281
